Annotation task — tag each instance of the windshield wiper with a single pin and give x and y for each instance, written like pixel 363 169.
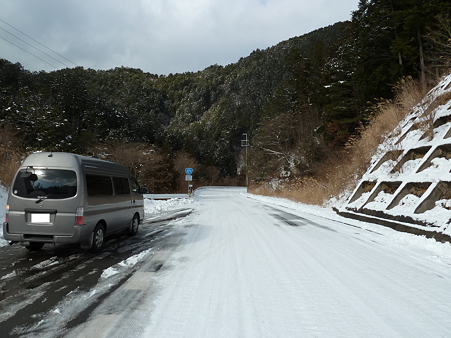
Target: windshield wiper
pixel 40 199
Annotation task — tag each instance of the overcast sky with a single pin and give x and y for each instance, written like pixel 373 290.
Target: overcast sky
pixel 157 36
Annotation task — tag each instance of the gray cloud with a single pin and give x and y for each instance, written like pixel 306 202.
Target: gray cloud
pixel 159 36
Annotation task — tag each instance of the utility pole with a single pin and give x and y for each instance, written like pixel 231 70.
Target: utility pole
pixel 245 143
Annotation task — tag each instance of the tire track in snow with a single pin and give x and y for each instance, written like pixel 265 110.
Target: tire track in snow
pixel 237 270
pixel 364 287
pixel 255 275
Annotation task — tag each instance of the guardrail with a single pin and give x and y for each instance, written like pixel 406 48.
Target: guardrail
pixel 164 196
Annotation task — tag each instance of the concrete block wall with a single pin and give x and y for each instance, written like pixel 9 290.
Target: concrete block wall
pixel 408 185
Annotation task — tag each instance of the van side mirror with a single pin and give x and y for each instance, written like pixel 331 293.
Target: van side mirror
pixel 144 190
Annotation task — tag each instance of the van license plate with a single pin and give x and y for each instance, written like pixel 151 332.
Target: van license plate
pixel 40 218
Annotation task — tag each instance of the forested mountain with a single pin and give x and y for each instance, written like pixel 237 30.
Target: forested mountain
pixel 298 101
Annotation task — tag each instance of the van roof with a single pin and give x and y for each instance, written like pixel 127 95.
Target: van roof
pixel 70 161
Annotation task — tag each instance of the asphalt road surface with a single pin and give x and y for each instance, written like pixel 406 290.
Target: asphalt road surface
pixel 33 283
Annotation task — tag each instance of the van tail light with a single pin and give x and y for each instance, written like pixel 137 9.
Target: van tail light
pixel 79 218
pixel 7 214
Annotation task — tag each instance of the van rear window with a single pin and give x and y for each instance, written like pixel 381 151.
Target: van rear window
pixel 48 183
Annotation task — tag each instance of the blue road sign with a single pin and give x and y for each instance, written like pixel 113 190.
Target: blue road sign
pixel 189 171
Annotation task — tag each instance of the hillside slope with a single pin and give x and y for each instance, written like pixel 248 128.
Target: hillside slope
pixel 408 184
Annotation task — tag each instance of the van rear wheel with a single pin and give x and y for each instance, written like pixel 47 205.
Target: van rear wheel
pixel 134 225
pixel 34 246
pixel 98 238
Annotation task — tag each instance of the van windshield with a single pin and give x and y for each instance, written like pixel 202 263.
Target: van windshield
pixel 45 183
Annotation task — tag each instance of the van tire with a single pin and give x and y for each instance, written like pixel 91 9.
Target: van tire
pixel 34 246
pixel 134 225
pixel 98 238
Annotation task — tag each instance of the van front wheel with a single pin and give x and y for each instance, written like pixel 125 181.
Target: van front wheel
pixel 98 238
pixel 134 225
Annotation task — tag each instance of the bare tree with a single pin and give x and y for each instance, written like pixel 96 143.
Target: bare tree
pixel 439 58
pixel 147 163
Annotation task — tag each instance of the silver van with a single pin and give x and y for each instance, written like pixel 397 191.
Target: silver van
pixel 65 198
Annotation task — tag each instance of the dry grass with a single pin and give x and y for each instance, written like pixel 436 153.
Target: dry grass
pixel 11 154
pixel 308 190
pixel 9 163
pixel 343 169
pixel 408 93
pixel 444 98
pixel 182 161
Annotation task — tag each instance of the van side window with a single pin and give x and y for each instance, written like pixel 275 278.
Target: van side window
pixel 99 185
pixel 135 186
pixel 121 186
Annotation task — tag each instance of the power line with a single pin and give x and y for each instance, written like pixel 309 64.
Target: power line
pixel 28 52
pixel 34 47
pixel 39 44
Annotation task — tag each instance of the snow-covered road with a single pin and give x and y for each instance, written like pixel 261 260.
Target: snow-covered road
pixel 245 267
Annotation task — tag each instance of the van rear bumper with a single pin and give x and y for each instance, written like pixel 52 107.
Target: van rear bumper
pixel 79 235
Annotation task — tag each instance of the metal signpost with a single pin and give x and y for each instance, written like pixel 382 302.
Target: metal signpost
pixel 189 178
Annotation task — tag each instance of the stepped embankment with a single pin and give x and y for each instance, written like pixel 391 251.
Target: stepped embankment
pixel 408 184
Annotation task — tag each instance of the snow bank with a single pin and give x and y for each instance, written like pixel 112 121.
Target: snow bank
pixel 153 207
